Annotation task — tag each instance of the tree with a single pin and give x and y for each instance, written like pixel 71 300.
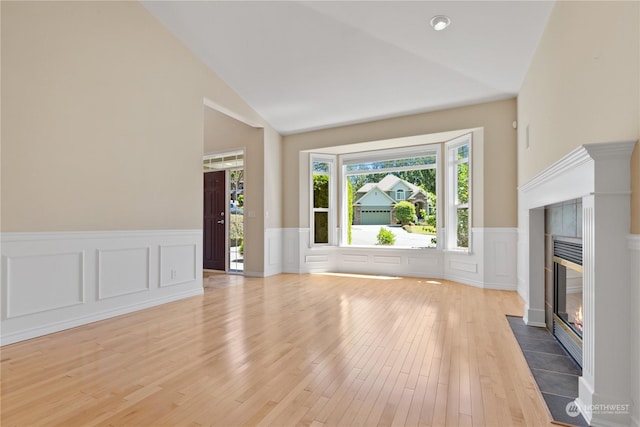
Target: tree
pixel 320 191
pixel 431 216
pixel 321 200
pixel 350 208
pixel 236 178
pixel 405 211
pixel 463 212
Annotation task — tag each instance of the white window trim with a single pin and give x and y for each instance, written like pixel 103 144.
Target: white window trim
pixel 451 231
pixel 368 156
pixel 331 159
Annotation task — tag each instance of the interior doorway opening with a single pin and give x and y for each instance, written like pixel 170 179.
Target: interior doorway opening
pixel 232 165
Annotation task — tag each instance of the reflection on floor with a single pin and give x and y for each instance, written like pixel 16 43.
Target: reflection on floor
pixel 220 279
pixel 555 372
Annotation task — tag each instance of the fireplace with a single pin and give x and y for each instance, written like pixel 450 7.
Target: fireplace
pixel 567 322
pixel 596 177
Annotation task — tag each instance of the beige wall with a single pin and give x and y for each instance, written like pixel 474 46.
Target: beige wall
pixel 223 133
pixel 273 171
pixel 102 113
pixel 498 209
pixel 583 86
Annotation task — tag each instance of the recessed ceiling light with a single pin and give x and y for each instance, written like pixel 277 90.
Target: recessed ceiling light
pixel 440 22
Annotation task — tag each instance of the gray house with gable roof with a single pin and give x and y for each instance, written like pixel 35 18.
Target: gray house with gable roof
pixel 374 202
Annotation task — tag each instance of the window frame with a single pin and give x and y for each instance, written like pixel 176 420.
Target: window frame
pixel 331 211
pixel 429 149
pixel 452 205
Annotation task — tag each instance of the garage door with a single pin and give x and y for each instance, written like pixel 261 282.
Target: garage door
pixel 376 217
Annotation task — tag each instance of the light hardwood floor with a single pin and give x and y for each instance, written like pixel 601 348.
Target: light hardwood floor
pixel 285 350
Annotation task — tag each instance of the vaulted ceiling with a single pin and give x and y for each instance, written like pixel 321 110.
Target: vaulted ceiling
pixel 312 65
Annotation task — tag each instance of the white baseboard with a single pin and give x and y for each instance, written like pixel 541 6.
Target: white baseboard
pixel 82 277
pixel 84 320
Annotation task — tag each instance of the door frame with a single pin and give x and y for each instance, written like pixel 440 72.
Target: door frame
pixel 227 199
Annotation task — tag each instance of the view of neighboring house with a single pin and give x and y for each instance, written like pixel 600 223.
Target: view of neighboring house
pixel 374 202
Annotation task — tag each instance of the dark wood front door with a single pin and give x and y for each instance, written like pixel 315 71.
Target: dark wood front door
pixel 214 221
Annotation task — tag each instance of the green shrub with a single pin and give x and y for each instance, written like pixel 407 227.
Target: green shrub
pixel 386 237
pixel 429 229
pixel 405 211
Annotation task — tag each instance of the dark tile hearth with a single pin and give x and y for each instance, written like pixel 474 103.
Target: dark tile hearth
pixel 555 372
pixel 550 362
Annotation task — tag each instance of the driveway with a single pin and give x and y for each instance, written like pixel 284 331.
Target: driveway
pixel 366 235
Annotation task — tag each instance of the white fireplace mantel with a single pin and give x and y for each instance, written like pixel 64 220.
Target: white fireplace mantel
pixel 599 174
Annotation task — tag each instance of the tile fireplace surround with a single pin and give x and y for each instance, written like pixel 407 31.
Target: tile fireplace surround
pixel 599 175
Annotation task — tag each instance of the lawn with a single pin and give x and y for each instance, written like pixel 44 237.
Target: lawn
pixel 420 229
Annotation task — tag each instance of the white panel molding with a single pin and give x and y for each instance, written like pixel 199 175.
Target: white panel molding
pixel 274 251
pixel 469 267
pixel 313 259
pixel 355 258
pixel 292 239
pixel 386 259
pixel 424 263
pixel 82 277
pixel 58 282
pixel 500 257
pixel 178 264
pixel 121 274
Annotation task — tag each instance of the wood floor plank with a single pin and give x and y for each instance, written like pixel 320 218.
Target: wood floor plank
pixel 287 350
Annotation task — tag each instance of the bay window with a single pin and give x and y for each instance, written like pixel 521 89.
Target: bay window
pixel 459 193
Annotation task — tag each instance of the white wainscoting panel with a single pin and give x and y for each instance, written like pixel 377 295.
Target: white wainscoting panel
pixel 274 251
pixel 382 259
pixel 58 280
pixel 123 271
pixel 37 283
pixel 469 267
pixel 424 264
pixel 317 259
pixel 291 248
pixel 178 264
pixel 355 258
pixel 500 257
pixel 494 271
pixel 389 261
